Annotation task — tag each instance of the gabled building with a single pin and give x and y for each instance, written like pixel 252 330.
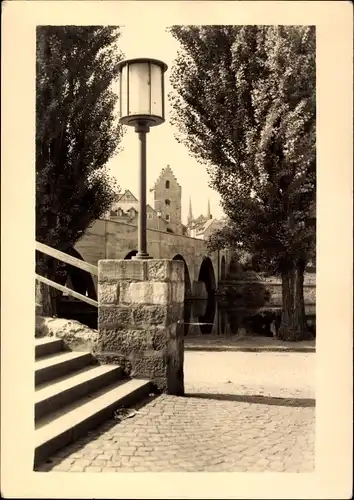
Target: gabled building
pixel 168 199
pixel 126 209
pixel 203 226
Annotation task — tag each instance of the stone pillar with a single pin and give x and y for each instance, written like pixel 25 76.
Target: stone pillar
pixel 140 319
pixel 216 325
pixel 199 290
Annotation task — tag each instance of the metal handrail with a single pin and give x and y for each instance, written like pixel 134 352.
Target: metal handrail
pixel 73 261
pixel 68 259
pixel 62 288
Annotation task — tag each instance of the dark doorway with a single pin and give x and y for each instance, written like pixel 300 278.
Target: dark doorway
pixel 82 282
pixel 207 275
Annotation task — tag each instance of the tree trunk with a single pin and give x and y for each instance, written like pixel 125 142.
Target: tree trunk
pixel 293 319
pixel 299 310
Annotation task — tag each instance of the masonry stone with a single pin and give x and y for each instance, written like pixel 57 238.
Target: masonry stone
pixel 110 270
pixel 77 337
pixel 150 365
pixel 125 341
pixel 159 270
pixel 150 315
pixel 114 315
pixel 108 293
pixel 141 326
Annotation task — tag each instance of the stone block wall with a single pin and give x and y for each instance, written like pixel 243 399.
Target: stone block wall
pixel 140 319
pixel 260 293
pixel 107 239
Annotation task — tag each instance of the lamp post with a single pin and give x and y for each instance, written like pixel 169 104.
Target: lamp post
pixel 142 106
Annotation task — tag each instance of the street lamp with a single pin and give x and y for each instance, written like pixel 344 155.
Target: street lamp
pixel 142 106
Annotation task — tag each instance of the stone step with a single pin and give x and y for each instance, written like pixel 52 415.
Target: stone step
pixel 56 365
pixel 67 424
pixel 47 345
pixel 49 396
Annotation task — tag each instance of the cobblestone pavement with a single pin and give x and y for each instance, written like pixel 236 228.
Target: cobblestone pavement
pixel 243 412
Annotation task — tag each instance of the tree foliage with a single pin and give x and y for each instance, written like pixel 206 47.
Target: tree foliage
pixel 76 129
pixel 244 104
pixel 76 134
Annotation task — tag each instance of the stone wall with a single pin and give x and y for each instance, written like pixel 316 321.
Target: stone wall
pixel 114 240
pixel 139 319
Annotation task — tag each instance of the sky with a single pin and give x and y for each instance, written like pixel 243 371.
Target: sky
pixel 162 148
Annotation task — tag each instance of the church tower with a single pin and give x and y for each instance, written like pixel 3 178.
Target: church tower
pixel 190 213
pixel 208 216
pixel 168 199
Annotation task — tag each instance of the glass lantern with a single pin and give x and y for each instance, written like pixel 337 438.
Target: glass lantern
pixel 142 92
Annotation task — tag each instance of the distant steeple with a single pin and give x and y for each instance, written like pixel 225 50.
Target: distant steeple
pixel 190 214
pixel 208 211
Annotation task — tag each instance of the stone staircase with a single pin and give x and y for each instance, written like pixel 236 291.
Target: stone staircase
pixel 74 394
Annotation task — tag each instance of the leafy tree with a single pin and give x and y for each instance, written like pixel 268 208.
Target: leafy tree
pixel 244 105
pixel 76 133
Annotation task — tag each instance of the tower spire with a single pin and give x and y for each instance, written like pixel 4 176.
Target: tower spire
pixel 190 214
pixel 208 210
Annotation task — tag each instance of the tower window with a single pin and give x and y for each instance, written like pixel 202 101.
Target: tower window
pixel 167 202
pixel 167 217
pixel 167 184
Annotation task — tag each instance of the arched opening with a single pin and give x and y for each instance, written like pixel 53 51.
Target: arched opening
pixel 78 280
pixel 206 274
pixel 187 315
pixel 223 268
pixel 130 254
pixel 187 279
pixel 206 321
pixel 82 282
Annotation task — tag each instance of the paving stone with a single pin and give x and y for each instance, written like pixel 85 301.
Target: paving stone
pixel 93 468
pixel 82 462
pixel 206 434
pixel 76 468
pixel 63 466
pixel 109 469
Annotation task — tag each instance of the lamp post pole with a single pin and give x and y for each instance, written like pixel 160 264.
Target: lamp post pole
pixel 142 129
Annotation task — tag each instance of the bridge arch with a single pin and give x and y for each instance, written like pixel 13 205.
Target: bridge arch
pixel 206 320
pixel 131 254
pixel 187 278
pixel 206 274
pixel 78 280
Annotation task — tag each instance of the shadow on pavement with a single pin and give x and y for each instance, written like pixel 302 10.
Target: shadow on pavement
pixel 258 399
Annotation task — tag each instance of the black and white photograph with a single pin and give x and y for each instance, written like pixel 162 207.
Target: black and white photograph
pixel 187 292
pixel 175 271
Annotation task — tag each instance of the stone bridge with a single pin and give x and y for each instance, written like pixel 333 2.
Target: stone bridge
pixel 107 239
